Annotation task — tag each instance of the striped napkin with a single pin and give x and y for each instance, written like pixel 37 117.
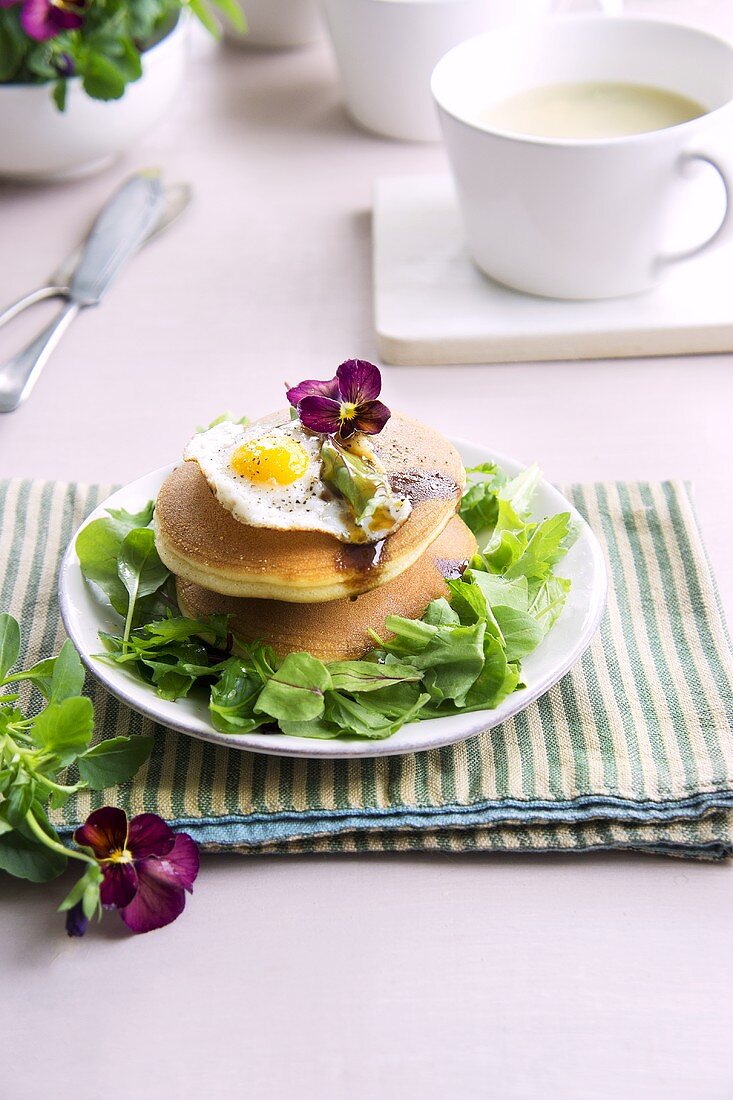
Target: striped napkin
pixel 632 749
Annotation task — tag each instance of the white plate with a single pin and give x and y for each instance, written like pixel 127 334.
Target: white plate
pixel 84 617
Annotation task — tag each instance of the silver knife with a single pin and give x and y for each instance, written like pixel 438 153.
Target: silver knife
pixel 120 229
pixel 177 198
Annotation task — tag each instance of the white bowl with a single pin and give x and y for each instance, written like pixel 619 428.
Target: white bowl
pixel 37 141
pixel 278 24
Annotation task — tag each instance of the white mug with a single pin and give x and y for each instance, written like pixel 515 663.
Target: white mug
pixel 574 217
pixel 386 51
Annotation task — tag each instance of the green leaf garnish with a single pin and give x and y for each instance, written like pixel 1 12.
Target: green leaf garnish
pixel 376 509
pixel 35 750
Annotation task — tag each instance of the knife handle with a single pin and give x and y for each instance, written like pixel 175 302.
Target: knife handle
pixel 19 374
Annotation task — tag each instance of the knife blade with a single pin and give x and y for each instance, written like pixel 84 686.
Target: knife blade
pixel 117 234
pixel 176 198
pixel 123 225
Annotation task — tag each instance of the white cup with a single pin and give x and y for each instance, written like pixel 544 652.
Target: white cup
pixel 585 218
pixel 386 51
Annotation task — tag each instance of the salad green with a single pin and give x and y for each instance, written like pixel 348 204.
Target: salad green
pixel 45 758
pixel 464 654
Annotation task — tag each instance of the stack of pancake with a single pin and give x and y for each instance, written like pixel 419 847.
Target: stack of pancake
pixel 306 590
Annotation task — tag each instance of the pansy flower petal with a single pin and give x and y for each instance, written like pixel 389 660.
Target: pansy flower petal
pixel 182 863
pixel 37 20
pixel 66 18
pixel 159 898
pixel 359 381
pixel 149 835
pixel 119 885
pixel 313 388
pixel 371 416
pixel 320 414
pixel 104 831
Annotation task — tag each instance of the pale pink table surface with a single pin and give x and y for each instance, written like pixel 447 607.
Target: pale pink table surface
pixel 573 978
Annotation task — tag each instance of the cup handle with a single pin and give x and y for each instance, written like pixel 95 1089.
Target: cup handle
pixel 724 233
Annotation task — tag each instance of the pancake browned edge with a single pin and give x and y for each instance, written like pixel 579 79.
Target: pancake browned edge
pixel 201 542
pixel 339 629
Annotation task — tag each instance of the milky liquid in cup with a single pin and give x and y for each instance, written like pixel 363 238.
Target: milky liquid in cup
pixel 593 109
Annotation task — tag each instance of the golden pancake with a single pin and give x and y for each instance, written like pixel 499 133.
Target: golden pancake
pixel 203 543
pixel 340 628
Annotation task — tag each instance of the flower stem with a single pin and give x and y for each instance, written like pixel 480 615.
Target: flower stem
pixel 61 787
pixel 54 845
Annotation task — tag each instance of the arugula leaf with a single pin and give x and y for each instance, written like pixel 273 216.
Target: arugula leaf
pixel 440 613
pixel 128 521
pixel 411 636
pixel 452 661
pixel 520 631
pixel 499 589
pixel 519 491
pixel 548 601
pixel 548 543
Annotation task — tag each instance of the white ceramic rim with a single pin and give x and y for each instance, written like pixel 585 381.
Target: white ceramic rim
pixel 415 736
pixel 588 18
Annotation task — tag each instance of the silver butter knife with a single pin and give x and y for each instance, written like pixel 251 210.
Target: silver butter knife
pixel 177 198
pixel 123 225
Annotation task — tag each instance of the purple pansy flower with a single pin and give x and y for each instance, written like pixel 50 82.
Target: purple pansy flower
pixel 44 19
pixel 345 404
pixel 147 867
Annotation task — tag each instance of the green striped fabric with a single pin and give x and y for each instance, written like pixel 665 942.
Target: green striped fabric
pixel 632 749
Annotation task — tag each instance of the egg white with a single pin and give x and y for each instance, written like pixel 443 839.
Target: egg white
pixel 304 505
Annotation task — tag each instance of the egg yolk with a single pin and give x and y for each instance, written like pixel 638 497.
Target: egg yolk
pixel 266 461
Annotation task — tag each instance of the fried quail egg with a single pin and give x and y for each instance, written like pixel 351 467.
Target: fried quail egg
pixel 271 476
